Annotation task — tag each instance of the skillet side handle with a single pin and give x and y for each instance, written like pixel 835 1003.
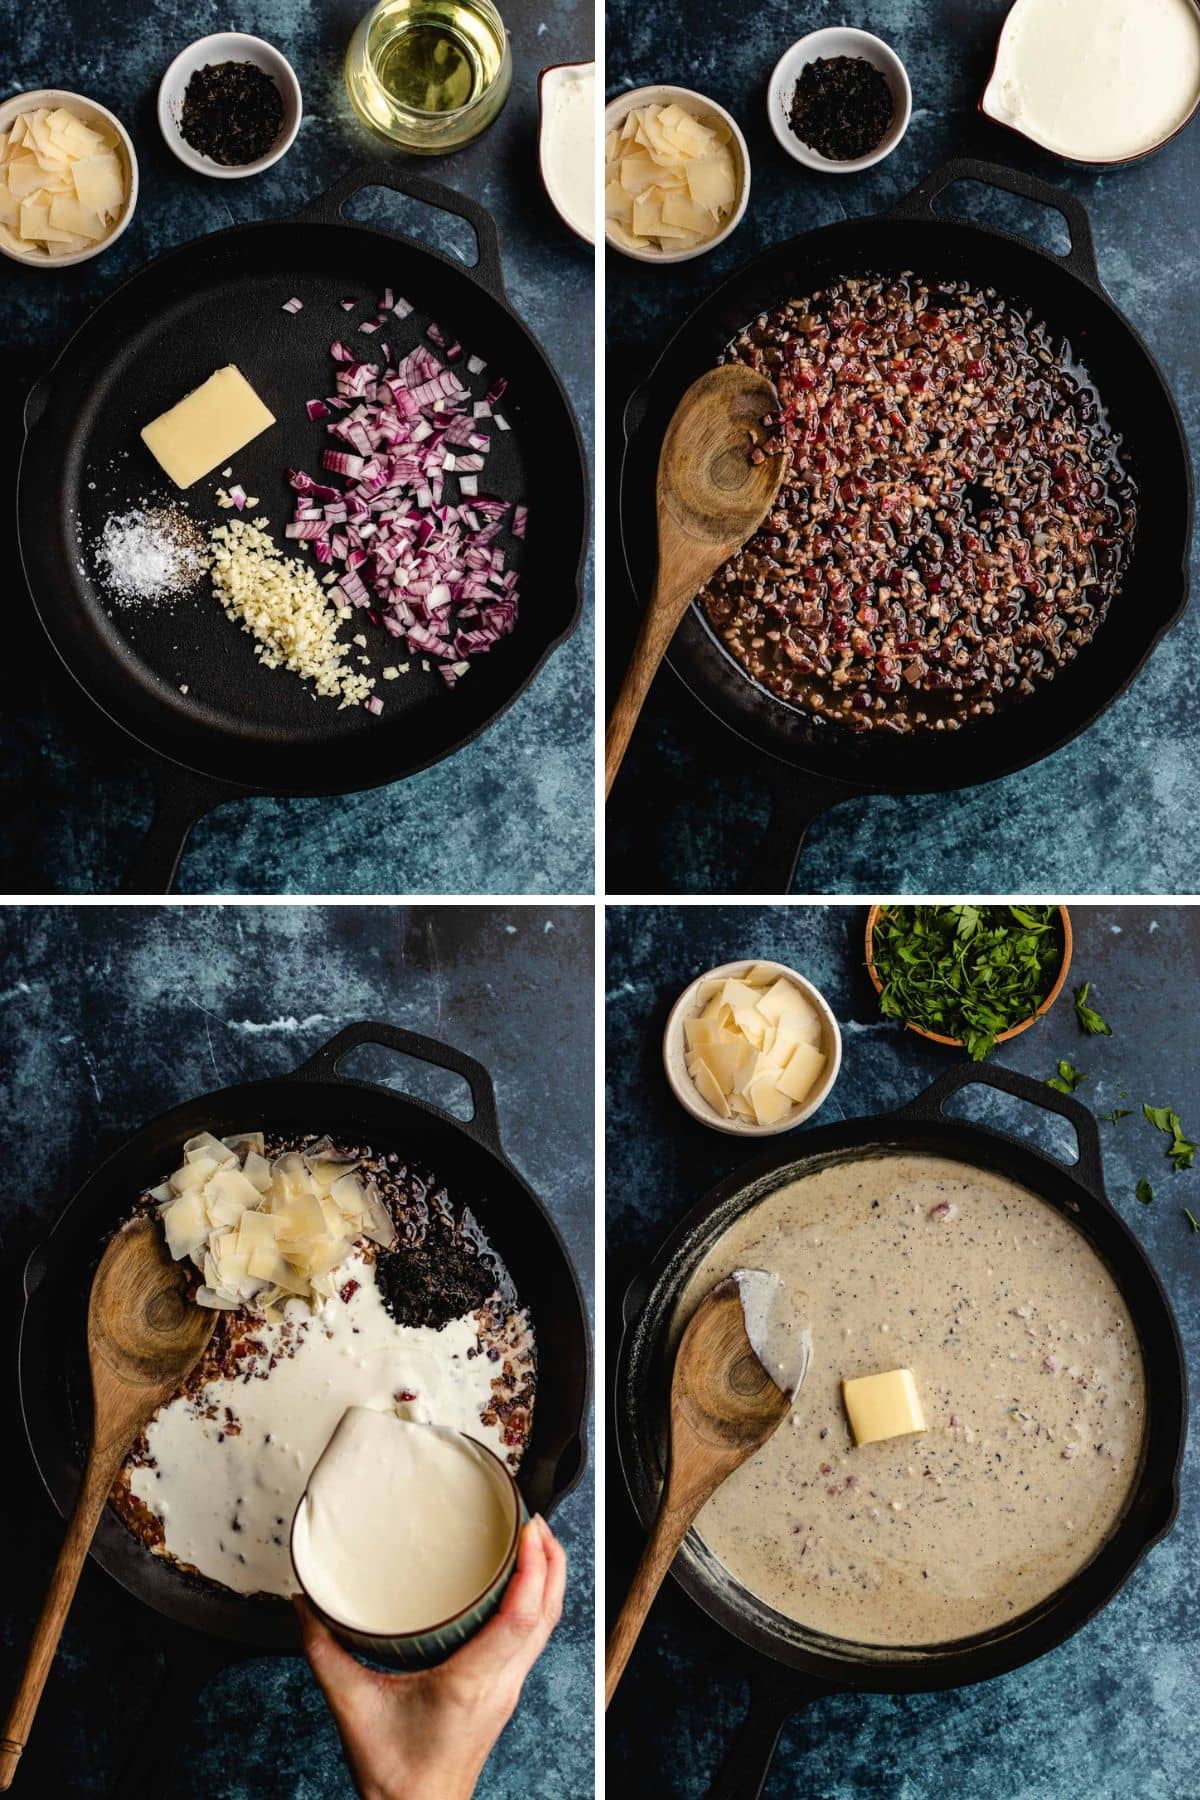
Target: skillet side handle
pixel 797 802
pixel 484 1123
pixel 181 800
pixel 931 1105
pixel 1080 258
pixel 773 1701
pixel 327 209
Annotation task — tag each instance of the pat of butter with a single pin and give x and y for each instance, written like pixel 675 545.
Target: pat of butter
pixel 883 1406
pixel 207 427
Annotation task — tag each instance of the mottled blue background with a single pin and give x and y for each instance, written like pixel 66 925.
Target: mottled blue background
pixel 1112 813
pixel 1113 1713
pixel 110 1016
pixel 512 813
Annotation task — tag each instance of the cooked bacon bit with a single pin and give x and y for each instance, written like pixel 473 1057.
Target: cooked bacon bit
pixel 403 1394
pixel 348 1291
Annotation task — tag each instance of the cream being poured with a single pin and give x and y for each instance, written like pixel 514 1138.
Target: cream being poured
pixel 402 1525
pixel 229 1465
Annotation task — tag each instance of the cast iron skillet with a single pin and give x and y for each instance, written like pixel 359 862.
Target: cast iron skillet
pixel 241 729
pixel 804 1665
pixel 466 1156
pixel 816 765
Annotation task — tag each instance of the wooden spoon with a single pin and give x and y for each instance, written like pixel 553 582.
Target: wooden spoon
pixel 724 1407
pixel 711 498
pixel 145 1336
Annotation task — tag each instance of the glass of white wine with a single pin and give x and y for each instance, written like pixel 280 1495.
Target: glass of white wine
pixel 429 74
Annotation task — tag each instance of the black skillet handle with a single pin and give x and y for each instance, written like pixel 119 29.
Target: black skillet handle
pixel 1080 258
pixel 797 802
pixel 483 1125
pixel 326 209
pixel 181 800
pixel 774 1699
pixel 931 1105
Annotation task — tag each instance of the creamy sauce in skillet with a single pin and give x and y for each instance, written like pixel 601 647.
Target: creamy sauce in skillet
pixel 229 1467
pixel 1026 1361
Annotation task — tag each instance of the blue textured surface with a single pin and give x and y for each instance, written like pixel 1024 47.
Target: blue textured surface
pixel 1112 1713
pixel 520 797
pixel 110 1016
pixel 1119 797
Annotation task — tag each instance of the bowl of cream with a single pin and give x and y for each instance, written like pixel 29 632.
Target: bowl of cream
pixel 1096 81
pixel 406 1536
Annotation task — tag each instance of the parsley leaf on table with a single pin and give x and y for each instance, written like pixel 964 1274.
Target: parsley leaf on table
pixel 1191 1219
pixel 1089 1019
pixel 1117 1113
pixel 1182 1153
pixel 1144 1191
pixel 1067 1079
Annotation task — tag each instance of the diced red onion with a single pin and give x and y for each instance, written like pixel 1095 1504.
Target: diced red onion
pixel 501 422
pixel 348 305
pixel 402 309
pixel 293 305
pixel 421 562
pixel 237 494
pixel 388 301
pixel 375 705
pixel 316 409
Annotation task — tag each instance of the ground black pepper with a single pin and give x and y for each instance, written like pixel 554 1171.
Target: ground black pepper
pixel 841 107
pixel 232 111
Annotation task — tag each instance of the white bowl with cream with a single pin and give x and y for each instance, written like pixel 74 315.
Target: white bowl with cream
pixel 706 112
pixel 406 1536
pixel 690 1005
pixel 1099 82
pixel 567 144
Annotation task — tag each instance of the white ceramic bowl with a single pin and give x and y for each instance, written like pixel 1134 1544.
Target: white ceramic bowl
pixel 708 113
pixel 228 46
pixel 550 81
pixel 837 40
pixel 92 114
pixel 675 1051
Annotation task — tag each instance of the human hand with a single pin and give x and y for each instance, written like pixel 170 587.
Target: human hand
pixel 426 1736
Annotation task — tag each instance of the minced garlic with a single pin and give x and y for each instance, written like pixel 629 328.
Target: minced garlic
pixel 279 602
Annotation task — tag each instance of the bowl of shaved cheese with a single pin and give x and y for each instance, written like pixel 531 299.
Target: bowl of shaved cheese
pixel 752 1048
pixel 68 178
pixel 676 174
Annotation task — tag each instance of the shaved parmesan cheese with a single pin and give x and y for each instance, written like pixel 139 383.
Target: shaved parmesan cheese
pixel 670 181
pixel 62 185
pixel 260 1231
pixel 754 1051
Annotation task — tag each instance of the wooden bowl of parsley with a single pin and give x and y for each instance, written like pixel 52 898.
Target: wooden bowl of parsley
pixel 968 976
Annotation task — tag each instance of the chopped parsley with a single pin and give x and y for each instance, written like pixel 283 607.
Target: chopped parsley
pixel 1089 1019
pixel 966 972
pixel 1191 1219
pixel 1117 1114
pixel 1182 1153
pixel 1144 1191
pixel 1067 1079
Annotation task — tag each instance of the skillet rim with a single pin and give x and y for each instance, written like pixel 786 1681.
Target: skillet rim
pixel 694 652
pixel 375 771
pixel 1044 1628
pixel 267 1622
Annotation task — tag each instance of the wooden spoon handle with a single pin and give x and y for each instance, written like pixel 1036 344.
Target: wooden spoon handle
pixel 670 1529
pixel 673 590
pixel 98 1478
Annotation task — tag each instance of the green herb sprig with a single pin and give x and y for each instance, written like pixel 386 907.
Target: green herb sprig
pixel 1067 1079
pixel 1182 1153
pixel 966 972
pixel 1089 1019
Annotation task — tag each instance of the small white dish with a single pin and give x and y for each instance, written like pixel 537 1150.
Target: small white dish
pixel 708 113
pixel 675 1051
pixel 561 183
pixel 92 114
pixel 837 40
pixel 228 46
